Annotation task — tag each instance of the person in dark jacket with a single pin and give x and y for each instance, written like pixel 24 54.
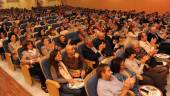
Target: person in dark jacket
pixel 102 39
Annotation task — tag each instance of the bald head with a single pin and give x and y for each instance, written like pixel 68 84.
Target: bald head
pixel 70 50
pixel 100 35
pixel 153 29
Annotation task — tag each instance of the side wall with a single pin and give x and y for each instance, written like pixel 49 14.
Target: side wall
pixel 144 5
pixel 29 3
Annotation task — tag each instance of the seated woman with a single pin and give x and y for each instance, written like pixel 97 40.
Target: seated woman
pixel 47 47
pixel 60 73
pixel 31 57
pixel 119 71
pixel 13 46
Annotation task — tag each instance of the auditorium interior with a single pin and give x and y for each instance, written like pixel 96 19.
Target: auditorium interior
pixel 84 48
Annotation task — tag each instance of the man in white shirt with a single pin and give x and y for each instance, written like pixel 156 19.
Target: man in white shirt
pixel 146 45
pixel 109 85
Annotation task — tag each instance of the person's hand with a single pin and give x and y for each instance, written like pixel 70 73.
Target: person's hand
pixel 127 84
pixel 83 73
pixel 102 46
pixel 131 93
pixel 153 52
pixel 144 59
pixel 132 81
pixel 140 77
pixel 72 81
pixel 147 66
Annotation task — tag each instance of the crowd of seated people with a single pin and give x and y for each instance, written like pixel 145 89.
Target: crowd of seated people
pixel 56 33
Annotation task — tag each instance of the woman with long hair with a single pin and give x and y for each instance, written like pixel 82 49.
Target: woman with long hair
pixel 31 57
pixel 13 46
pixel 60 73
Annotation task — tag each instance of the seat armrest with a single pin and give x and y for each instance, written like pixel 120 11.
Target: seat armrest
pixel 89 62
pixel 53 87
pixel 26 73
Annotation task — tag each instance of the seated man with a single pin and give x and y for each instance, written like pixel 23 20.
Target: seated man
pixel 146 45
pixel 89 52
pixel 74 62
pixel 109 85
pixel 151 50
pixel 105 40
pixel 161 36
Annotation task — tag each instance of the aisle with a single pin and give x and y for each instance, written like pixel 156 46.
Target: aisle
pixel 9 87
pixel 34 90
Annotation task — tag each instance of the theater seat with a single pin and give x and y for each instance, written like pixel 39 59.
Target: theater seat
pixel 39 44
pixel 45 66
pixel 9 61
pixel 5 45
pixel 53 86
pixel 20 50
pixel 91 81
pixel 26 73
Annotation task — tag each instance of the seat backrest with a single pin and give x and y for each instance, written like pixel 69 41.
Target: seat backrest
pixel 79 47
pixel 39 44
pixel 5 45
pixel 91 81
pixel 45 66
pixel 23 26
pixel 45 27
pixel 70 35
pixel 37 29
pixel 120 53
pixel 55 25
pixel 20 50
pixel 8 23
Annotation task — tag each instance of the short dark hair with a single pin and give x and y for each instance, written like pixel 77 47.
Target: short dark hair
pixel 150 38
pixel 27 43
pixel 10 36
pixel 115 65
pixel 129 51
pixel 46 37
pixel 140 36
pixel 101 68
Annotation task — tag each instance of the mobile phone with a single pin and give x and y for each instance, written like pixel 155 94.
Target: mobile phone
pixel 146 91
